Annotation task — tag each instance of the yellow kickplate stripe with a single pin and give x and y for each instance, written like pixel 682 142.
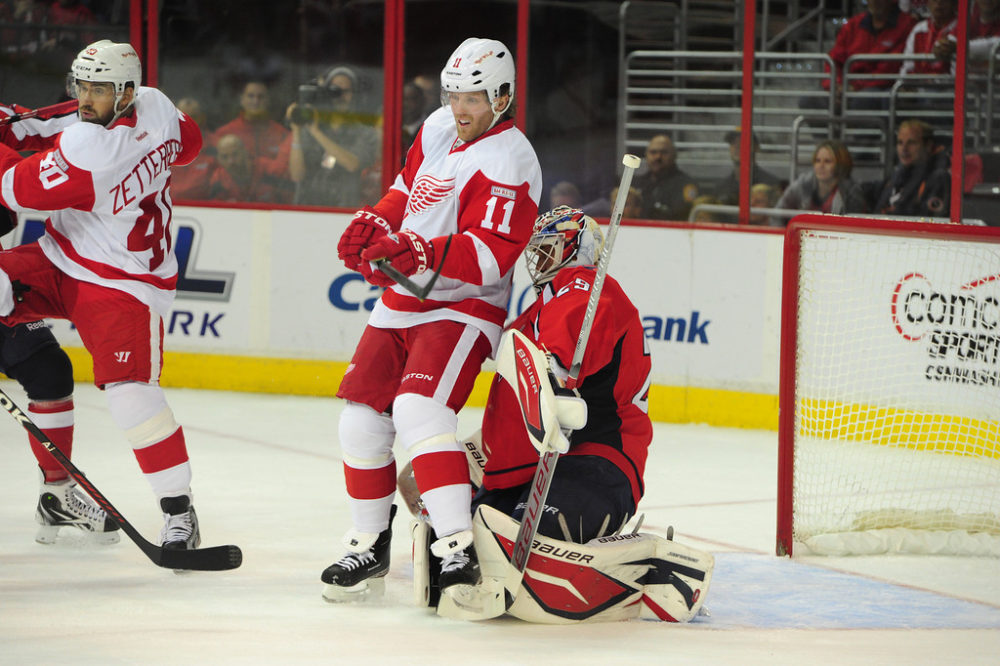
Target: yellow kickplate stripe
pixel 671 404
pixel 942 433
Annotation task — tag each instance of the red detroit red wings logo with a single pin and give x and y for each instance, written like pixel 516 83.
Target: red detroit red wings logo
pixel 427 193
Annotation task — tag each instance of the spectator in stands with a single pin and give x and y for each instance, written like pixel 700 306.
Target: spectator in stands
pixel 565 193
pixel 238 179
pixel 727 190
pixel 414 112
pixel 762 195
pixel 827 187
pixel 984 32
pixel 921 184
pixel 929 37
pixel 667 192
pixel 881 28
pixel 705 215
pixel 27 39
pixel 193 181
pixel 69 13
pixel 261 135
pixel 330 146
pixel 633 203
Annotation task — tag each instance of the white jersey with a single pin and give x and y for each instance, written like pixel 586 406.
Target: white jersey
pixel 109 190
pixel 484 195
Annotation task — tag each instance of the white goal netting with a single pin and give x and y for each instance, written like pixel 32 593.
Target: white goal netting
pixel 897 395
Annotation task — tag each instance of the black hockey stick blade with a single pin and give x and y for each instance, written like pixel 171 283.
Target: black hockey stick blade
pixel 218 558
pixel 408 284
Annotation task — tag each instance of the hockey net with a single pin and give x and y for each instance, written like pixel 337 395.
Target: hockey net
pixel 889 435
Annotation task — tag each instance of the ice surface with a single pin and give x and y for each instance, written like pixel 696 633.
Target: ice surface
pixel 267 476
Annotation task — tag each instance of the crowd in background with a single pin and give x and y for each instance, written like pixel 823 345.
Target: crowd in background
pixel 323 148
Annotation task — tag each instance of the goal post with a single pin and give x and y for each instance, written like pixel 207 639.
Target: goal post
pixel 889 406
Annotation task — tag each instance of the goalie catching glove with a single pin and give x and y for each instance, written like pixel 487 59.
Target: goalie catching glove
pixel 549 419
pixel 367 226
pixel 407 251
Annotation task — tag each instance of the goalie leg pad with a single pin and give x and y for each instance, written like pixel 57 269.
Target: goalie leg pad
pixel 608 579
pixel 426 565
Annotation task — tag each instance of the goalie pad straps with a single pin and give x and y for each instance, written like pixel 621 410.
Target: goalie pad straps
pixel 605 580
pixel 525 368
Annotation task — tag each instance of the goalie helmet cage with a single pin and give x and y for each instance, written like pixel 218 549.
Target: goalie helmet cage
pixel 889 426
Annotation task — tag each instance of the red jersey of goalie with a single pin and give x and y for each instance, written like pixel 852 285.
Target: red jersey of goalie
pixel 598 483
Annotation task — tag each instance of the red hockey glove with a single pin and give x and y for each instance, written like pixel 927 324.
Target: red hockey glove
pixel 405 250
pixel 366 226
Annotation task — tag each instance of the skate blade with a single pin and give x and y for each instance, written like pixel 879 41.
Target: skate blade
pixel 473 602
pixel 368 590
pixel 48 535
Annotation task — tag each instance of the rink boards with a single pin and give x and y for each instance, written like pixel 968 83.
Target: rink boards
pixel 264 305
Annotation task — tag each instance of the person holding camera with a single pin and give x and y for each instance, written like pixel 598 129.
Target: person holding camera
pixel 330 144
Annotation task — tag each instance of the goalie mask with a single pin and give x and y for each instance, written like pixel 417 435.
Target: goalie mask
pixel 562 237
pixel 480 65
pixel 107 62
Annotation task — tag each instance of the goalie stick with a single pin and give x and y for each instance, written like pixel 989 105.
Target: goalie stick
pixel 547 463
pixel 52 110
pixel 218 558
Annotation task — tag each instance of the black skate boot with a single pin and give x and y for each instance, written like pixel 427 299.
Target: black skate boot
pixel 459 564
pixel 63 504
pixel 180 524
pixel 359 574
pixel 465 594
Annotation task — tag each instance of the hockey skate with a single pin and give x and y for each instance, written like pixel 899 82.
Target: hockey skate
pixel 180 524
pixel 62 504
pixel 359 575
pixel 465 594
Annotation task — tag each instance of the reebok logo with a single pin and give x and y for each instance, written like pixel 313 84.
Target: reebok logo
pixel 122 356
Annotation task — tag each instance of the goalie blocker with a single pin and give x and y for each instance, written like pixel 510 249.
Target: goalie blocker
pixel 608 579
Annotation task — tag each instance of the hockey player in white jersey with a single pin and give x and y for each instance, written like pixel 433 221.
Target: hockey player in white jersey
pixel 463 206
pixel 30 354
pixel 106 262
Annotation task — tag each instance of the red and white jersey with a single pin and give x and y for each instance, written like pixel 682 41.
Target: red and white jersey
pixel 484 194
pixel 614 382
pixel 922 39
pixel 38 133
pixel 109 190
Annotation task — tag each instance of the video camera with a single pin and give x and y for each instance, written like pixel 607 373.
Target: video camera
pixel 312 99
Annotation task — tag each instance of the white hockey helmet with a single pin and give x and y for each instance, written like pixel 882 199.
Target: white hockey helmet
pixel 107 62
pixel 562 237
pixel 480 64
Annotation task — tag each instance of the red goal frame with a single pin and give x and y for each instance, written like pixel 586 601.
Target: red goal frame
pixel 789 332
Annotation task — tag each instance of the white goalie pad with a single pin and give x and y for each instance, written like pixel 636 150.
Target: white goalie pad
pixel 605 580
pixel 545 415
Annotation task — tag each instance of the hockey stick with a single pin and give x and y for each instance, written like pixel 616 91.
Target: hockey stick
pixel 218 558
pixel 547 463
pixel 408 284
pixel 53 110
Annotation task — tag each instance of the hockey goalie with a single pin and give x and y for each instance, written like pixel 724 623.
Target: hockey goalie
pixel 583 565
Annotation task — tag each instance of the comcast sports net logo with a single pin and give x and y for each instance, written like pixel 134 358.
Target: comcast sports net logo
pixel 427 193
pixel 919 308
pixel 958 328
